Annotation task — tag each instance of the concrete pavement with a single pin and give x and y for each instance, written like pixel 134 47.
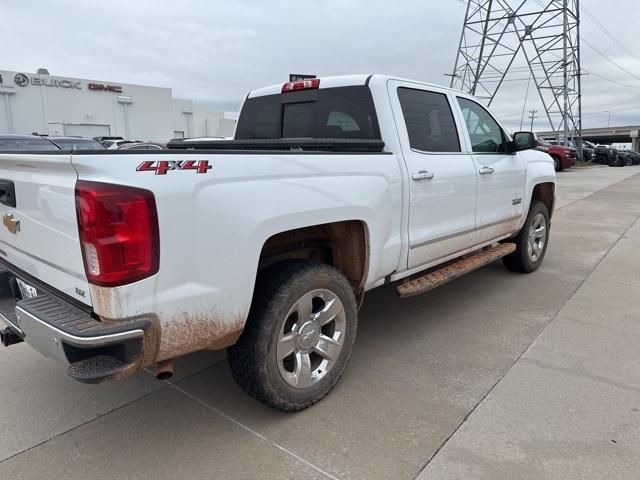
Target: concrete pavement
pixel 495 375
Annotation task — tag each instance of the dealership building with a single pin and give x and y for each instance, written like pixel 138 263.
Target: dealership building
pixel 54 105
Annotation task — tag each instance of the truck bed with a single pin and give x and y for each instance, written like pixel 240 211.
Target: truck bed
pixel 343 145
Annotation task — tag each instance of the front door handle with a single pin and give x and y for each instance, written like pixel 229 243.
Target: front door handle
pixel 422 175
pixel 486 170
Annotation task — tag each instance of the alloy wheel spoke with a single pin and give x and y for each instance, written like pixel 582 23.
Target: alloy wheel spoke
pixel 302 370
pixel 304 307
pixel 328 313
pixel 530 249
pixel 328 348
pixel 536 249
pixel 286 345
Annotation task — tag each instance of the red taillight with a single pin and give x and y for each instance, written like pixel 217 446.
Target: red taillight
pixel 118 231
pixel 310 84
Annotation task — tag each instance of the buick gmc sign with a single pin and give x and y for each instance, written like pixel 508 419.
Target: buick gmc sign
pixel 99 87
pixel 23 80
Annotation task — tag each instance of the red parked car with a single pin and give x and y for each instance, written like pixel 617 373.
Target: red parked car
pixel 563 157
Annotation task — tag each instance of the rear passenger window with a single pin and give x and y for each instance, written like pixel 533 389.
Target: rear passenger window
pixel 429 121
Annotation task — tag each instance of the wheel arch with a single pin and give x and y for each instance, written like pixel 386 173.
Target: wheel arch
pixel 544 192
pixel 343 244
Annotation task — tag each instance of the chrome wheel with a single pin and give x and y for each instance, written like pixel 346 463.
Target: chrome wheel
pixel 311 338
pixel 537 237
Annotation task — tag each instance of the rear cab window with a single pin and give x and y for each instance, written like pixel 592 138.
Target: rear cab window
pixel 338 112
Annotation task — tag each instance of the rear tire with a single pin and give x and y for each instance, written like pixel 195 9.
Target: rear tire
pixel 298 336
pixel 531 242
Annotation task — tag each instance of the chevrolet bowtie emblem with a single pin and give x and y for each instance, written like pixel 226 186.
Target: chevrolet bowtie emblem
pixel 11 223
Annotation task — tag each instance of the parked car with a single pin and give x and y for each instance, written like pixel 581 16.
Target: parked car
pixel 106 138
pixel 563 157
pixel 625 158
pixel 588 150
pixel 116 144
pixel 635 158
pixel 25 142
pixel 75 143
pixel 202 139
pixel 605 155
pixel 141 146
pixel 267 243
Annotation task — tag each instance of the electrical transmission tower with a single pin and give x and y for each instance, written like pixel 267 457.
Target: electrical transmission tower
pixel 546 33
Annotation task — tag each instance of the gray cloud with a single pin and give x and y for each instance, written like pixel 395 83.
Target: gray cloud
pixel 216 51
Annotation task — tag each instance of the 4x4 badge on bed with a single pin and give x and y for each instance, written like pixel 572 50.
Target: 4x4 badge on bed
pixel 163 166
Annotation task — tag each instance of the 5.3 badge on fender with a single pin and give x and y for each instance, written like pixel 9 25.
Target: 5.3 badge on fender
pixel 163 166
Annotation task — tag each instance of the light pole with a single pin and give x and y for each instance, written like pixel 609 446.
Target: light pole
pixel 533 116
pixel 608 121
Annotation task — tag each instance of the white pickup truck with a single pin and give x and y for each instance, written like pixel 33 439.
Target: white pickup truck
pixel 265 244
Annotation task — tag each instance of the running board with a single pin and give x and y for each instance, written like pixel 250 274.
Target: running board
pixel 454 270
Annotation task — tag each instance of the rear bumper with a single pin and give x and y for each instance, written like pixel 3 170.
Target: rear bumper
pixel 92 350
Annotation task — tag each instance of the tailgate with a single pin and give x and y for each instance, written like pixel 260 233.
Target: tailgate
pixel 39 235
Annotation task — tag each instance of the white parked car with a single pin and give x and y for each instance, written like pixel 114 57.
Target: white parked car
pixel 266 244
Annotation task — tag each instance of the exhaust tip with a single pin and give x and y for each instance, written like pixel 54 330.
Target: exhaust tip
pixel 164 369
pixel 164 375
pixel 9 337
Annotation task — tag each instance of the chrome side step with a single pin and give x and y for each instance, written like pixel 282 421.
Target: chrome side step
pixel 454 270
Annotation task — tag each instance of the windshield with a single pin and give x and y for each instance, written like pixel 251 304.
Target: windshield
pixel 77 144
pixel 26 143
pixel 341 112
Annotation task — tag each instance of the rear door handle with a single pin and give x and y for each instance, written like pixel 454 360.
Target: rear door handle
pixel 422 175
pixel 486 170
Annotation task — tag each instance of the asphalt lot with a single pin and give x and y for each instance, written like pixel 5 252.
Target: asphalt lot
pixel 493 376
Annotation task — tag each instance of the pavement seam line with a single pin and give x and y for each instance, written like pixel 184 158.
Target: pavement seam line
pixel 252 431
pixel 597 191
pixel 238 423
pixel 26 450
pixel 555 315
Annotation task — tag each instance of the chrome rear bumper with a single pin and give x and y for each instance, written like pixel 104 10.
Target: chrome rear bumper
pixel 91 349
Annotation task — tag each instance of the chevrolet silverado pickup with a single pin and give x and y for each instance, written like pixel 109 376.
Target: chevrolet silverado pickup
pixel 265 244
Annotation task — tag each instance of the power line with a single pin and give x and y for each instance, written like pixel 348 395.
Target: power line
pixel 610 61
pixel 524 104
pixel 631 107
pixel 610 80
pixel 613 104
pixel 609 34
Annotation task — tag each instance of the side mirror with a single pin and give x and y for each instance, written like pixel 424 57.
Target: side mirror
pixel 522 141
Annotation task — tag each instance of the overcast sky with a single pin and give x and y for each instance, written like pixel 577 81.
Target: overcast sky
pixel 216 51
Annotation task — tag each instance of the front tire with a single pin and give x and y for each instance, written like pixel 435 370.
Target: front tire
pixel 298 336
pixel 531 242
pixel 557 164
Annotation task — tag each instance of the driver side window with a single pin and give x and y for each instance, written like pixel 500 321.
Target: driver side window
pixel 484 131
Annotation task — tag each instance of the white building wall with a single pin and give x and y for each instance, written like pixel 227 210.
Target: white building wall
pixel 67 106
pixel 193 119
